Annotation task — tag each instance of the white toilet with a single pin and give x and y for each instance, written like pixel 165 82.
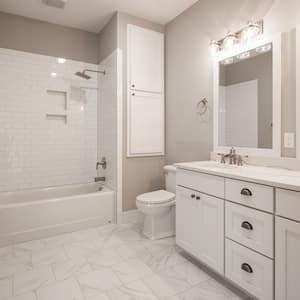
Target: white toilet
pixel 159 208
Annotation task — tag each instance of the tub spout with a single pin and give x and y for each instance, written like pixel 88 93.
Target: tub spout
pixel 97 179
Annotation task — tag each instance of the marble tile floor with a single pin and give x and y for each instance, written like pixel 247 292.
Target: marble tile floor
pixel 113 262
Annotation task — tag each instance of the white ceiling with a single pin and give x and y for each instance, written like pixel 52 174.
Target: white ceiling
pixel 92 15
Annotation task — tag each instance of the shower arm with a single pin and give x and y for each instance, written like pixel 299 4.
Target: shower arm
pixel 93 71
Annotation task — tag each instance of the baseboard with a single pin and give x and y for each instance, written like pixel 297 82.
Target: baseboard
pixel 132 216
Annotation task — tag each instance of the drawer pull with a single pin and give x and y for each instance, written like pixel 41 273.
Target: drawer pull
pixel 198 198
pixel 247 268
pixel 193 196
pixel 246 192
pixel 246 225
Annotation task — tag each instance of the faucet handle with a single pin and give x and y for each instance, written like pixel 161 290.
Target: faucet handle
pixel 222 158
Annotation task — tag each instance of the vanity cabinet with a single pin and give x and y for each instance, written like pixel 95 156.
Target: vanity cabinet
pixel 200 226
pixel 287 275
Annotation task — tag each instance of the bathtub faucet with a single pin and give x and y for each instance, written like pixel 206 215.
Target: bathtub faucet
pixel 103 163
pixel 97 179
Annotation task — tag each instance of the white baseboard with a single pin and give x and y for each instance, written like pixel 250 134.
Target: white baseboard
pixel 132 216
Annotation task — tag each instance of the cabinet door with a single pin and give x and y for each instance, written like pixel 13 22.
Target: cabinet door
pixel 146 130
pixel 188 223
pixel 287 262
pixel 211 218
pixel 145 59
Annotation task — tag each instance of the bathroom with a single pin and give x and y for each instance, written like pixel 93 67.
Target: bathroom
pixel 130 169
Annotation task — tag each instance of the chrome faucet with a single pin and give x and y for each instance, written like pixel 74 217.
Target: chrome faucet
pixel 103 163
pixel 234 159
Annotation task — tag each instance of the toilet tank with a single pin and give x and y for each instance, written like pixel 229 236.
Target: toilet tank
pixel 170 176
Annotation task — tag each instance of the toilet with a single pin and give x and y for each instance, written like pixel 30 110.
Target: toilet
pixel 158 208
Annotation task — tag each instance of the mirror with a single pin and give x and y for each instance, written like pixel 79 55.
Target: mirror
pixel 245 99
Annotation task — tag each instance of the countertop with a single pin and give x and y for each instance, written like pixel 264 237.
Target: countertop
pixel 281 178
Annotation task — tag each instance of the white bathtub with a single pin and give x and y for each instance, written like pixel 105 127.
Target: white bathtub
pixel 33 214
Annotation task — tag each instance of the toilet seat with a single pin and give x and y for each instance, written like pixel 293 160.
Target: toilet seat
pixel 156 197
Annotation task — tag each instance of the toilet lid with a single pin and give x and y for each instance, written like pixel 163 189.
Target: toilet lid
pixel 156 197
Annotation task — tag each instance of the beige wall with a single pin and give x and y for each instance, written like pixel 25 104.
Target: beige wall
pixel 34 36
pixel 260 68
pixel 189 67
pixel 108 38
pixel 142 174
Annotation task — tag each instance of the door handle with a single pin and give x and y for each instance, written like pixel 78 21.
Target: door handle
pixel 247 225
pixel 247 268
pixel 246 192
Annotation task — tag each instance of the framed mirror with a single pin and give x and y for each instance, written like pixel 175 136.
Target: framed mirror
pixel 247 98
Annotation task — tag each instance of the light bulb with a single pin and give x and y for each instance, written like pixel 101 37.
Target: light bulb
pixel 251 31
pixel 244 55
pixel 214 47
pixel 230 40
pixel 264 48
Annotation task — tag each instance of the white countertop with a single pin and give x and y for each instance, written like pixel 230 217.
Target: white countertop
pixel 282 178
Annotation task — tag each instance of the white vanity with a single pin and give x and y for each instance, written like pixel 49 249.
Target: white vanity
pixel 244 223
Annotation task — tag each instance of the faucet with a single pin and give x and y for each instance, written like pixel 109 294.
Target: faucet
pixel 103 163
pixel 234 159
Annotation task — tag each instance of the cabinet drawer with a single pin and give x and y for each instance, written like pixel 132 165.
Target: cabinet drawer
pixel 209 184
pixel 250 270
pixel 288 204
pixel 250 194
pixel 250 227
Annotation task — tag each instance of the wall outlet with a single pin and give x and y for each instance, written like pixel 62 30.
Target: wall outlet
pixel 289 140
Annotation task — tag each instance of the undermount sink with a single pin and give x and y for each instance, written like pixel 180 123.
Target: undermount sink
pixel 216 165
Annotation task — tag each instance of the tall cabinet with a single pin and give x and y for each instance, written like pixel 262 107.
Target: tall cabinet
pixel 146 101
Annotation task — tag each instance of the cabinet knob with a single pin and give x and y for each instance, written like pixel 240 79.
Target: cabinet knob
pixel 247 268
pixel 198 198
pixel 193 196
pixel 246 192
pixel 246 225
pixel 133 85
pixel 133 94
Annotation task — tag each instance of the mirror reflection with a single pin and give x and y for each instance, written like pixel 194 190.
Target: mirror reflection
pixel 245 99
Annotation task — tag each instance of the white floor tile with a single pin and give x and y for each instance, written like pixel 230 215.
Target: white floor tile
pixel 48 256
pixel 5 288
pixel 98 281
pixel 69 268
pixel 64 290
pixel 28 296
pixel 134 291
pixel 31 280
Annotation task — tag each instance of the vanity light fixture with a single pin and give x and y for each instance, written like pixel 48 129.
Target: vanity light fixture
pixel 61 60
pixel 244 55
pixel 230 40
pixel 249 32
pixel 264 48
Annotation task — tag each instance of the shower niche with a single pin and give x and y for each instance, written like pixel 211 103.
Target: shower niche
pixel 57 105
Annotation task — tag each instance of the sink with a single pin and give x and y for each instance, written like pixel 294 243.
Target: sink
pixel 215 165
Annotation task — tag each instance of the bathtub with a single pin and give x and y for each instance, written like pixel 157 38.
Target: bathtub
pixel 38 213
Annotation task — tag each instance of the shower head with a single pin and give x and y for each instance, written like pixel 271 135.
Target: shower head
pixel 85 76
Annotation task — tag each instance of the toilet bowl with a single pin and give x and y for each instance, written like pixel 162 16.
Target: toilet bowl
pixel 158 208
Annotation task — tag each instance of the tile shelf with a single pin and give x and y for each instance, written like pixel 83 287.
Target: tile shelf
pixel 57 105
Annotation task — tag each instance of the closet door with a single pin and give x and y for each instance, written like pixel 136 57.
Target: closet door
pixel 145 60
pixel 145 124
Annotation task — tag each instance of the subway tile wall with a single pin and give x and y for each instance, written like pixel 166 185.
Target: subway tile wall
pixel 35 150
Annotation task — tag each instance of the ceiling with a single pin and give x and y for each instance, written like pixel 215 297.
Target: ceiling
pixel 92 15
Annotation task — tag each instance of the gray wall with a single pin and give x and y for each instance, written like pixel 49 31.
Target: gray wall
pixel 260 68
pixel 108 38
pixel 34 36
pixel 140 174
pixel 189 68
